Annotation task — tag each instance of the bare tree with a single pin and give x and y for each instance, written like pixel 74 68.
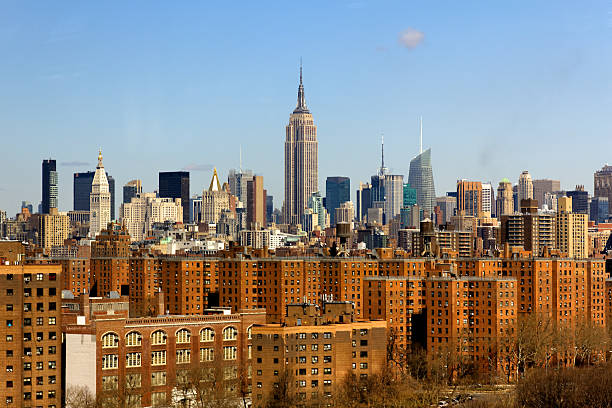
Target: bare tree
pixel 80 396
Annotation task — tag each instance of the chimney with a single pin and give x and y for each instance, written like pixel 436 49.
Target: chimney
pixel 86 308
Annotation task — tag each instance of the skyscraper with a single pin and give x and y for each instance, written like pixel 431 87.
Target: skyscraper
pixel 215 200
pixel 237 180
pixel 175 184
pixel 337 191
pixel 49 185
pixel 99 201
pixel 505 201
pixel 469 198
pixel 602 182
pixel 269 208
pixel 131 189
pixel 543 186
pixel 572 230
pixel 525 187
pixel 301 160
pixel 256 199
pixel 420 177
pixel 488 198
pixel 580 200
pixel 82 189
pixel 364 200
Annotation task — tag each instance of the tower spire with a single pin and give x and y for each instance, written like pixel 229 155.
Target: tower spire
pixel 301 100
pixel 421 137
pixel 383 169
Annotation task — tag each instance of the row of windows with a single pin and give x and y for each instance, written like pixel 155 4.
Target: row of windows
pixel 183 356
pixel 160 337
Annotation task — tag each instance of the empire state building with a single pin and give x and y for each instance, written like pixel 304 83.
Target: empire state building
pixel 301 160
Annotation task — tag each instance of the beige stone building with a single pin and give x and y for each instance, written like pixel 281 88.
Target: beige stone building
pixel 525 186
pixel 504 201
pixel 145 209
pixel 572 230
pixel 214 200
pixel 99 201
pixel 53 228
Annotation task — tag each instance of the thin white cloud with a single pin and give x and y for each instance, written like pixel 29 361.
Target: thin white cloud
pixel 410 38
pixel 198 167
pixel 74 163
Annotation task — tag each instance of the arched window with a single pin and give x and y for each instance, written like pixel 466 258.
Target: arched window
pixel 250 332
pixel 230 333
pixel 158 337
pixel 133 339
pixel 110 340
pixel 207 334
pixel 183 336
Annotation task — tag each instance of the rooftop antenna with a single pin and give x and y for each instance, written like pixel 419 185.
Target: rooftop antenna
pixel 421 137
pixel 382 150
pixel 240 158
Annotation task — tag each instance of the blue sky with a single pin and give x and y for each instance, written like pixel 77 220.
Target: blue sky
pixel 502 86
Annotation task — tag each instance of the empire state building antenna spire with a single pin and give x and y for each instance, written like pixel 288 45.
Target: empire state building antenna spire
pixel 301 99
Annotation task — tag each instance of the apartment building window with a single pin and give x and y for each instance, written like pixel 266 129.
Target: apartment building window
pixel 230 373
pixel 207 334
pixel 327 335
pixel 327 347
pixel 314 347
pixel 133 359
pixel 158 378
pixel 133 381
pixel 133 339
pixel 158 337
pixel 327 359
pixel 109 382
pixel 110 340
pixel 158 358
pixel 327 371
pixel 110 361
pixel 314 359
pixel 183 356
pixel 207 354
pixel 230 333
pixel 229 353
pixel 158 399
pixel 363 366
pixel 314 371
pixel 183 336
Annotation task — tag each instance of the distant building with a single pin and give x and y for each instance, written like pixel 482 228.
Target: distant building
pixel 542 187
pixel 504 205
pixel 337 191
pixel 99 201
pixel 49 186
pixel 469 198
pixel 237 180
pixel 131 189
pixel 410 195
pixel 269 208
pixel 345 212
pixel 256 203
pixel 315 204
pixel 602 182
pixel 421 178
pixel 364 200
pixel 146 209
pixel 175 184
pixel 488 199
pixel 525 187
pixel 580 200
pixel 599 209
pixel 53 228
pixel 529 229
pixel 214 200
pixel 82 189
pixel 447 205
pixel 301 160
pixel 572 230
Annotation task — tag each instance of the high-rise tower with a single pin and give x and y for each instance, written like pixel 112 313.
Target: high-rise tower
pixel 421 178
pixel 99 201
pixel 525 187
pixel 301 160
pixel 175 184
pixel 49 185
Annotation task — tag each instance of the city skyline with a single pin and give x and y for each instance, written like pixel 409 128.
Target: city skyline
pixel 548 100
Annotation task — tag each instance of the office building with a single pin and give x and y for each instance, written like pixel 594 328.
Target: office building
pixel 504 205
pixel 602 182
pixel 237 180
pixel 315 204
pixel 49 186
pixel 321 347
pixel 53 229
pixel 214 200
pixel 572 230
pixel 599 209
pixel 31 340
pixel 530 230
pixel 301 160
pixel 131 189
pixel 28 205
pixel 448 206
pixel 410 196
pixel 542 187
pixel 525 187
pixel 256 203
pixel 488 199
pixel 469 198
pixel 146 209
pixel 580 200
pixel 269 208
pixel 364 201
pixel 345 213
pixel 420 177
pixel 82 189
pixel 337 191
pixel 175 184
pixel 99 201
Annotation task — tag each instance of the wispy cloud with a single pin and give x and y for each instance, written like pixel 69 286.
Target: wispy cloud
pixel 198 167
pixel 410 38
pixel 381 48
pixel 74 164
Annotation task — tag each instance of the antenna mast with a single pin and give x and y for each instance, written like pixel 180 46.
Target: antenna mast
pixel 421 137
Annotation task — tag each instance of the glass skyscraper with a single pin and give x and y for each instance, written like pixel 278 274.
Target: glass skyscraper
pixel 337 191
pixel 421 178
